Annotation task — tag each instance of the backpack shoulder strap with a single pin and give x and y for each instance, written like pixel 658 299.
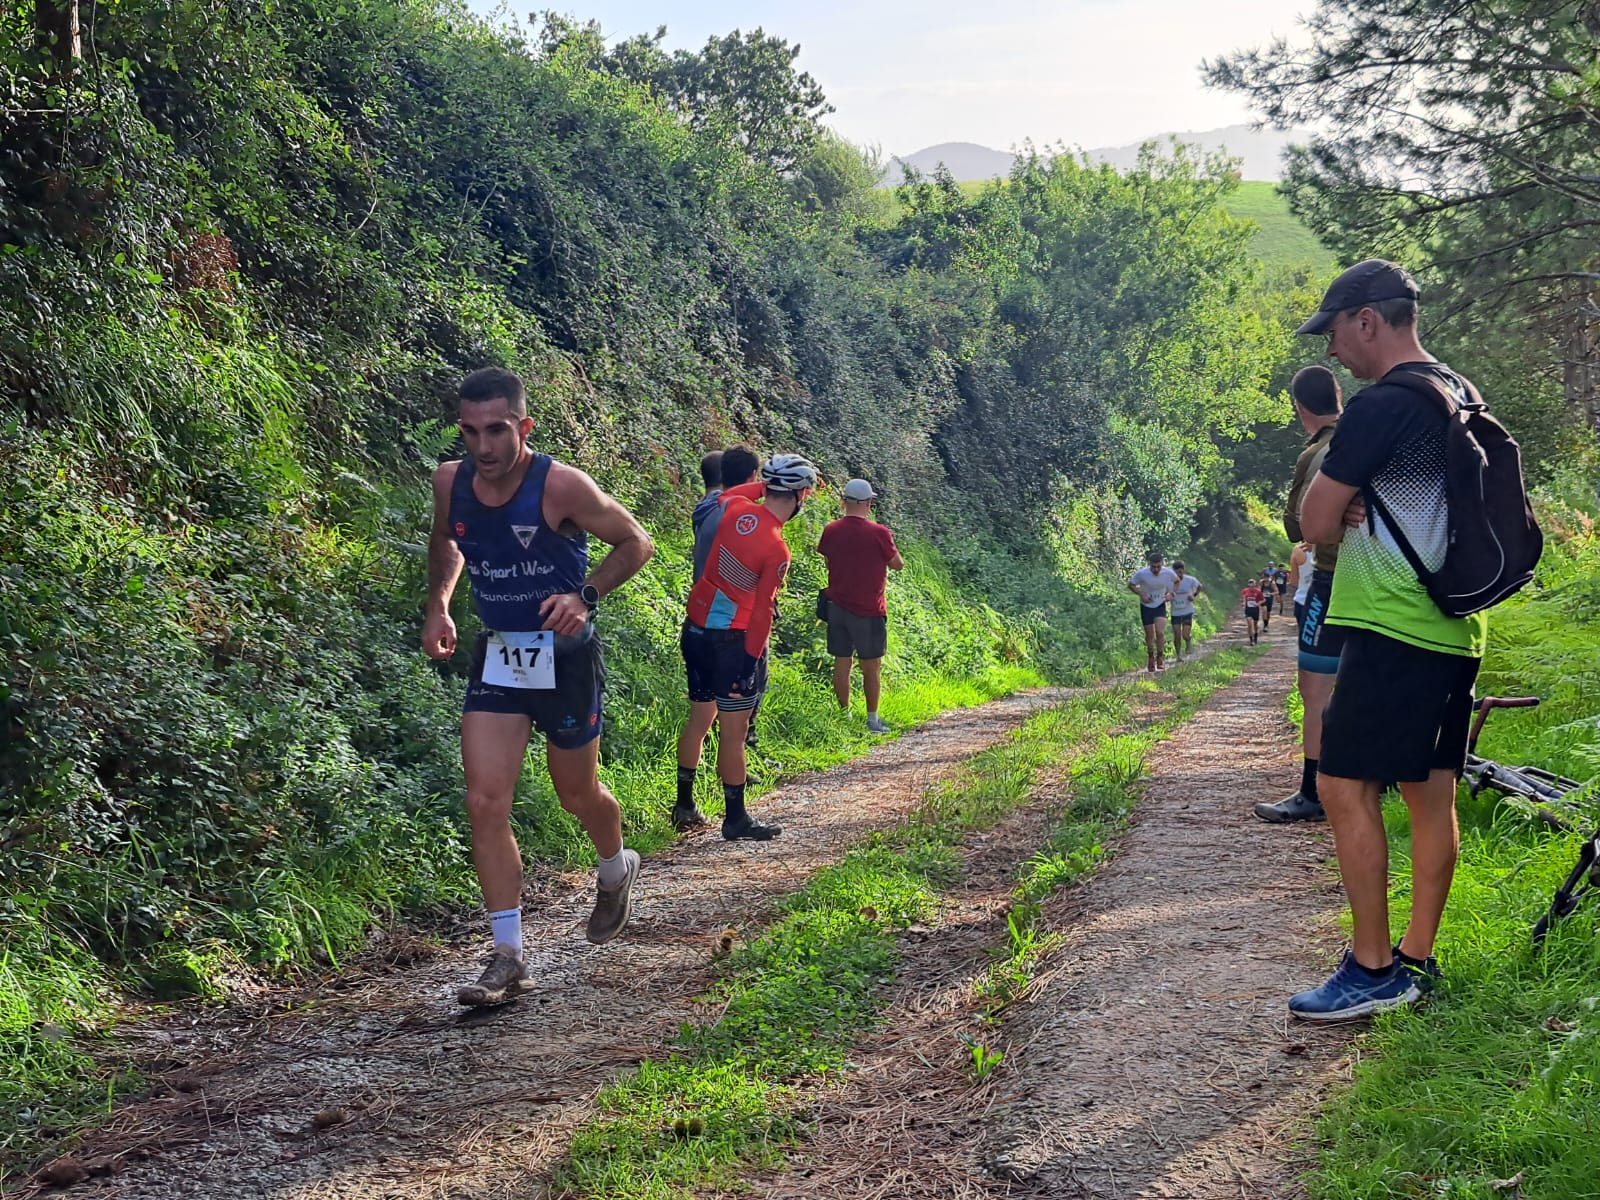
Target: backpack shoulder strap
pixel 1416 381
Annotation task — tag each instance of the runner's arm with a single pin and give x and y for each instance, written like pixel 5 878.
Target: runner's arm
pixel 571 497
pixel 444 568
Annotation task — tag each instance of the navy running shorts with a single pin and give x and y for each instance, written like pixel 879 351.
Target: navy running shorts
pixel 568 714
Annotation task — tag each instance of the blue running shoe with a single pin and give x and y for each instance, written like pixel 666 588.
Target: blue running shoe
pixel 1352 992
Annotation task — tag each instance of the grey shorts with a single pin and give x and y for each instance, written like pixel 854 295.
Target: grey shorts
pixel 864 637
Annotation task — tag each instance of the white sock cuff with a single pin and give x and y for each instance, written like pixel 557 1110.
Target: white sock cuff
pixel 613 870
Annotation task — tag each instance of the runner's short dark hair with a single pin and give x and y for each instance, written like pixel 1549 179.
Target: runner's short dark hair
pixel 1177 564
pixel 495 383
pixel 711 469
pixel 1315 390
pixel 1155 556
pixel 739 463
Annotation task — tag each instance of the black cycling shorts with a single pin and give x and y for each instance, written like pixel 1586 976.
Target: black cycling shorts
pixel 1398 711
pixel 718 668
pixel 1150 614
pixel 568 714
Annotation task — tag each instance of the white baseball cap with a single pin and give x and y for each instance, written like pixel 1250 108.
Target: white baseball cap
pixel 859 489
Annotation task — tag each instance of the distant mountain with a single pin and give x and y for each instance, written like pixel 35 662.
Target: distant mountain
pixel 966 160
pixel 1260 149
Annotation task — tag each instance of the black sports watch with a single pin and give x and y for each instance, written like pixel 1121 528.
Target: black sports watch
pixel 590 595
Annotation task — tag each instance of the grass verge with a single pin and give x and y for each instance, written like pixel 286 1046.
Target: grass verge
pixel 793 1001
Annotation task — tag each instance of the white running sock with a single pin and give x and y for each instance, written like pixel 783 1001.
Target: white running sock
pixel 614 870
pixel 506 927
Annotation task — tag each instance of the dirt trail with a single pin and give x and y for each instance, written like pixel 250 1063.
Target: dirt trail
pixel 417 1100
pixel 1154 1057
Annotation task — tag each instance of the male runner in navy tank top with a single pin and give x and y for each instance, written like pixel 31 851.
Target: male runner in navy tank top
pixel 520 524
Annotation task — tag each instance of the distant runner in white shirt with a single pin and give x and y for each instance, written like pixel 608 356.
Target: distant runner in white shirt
pixel 1184 590
pixel 1153 585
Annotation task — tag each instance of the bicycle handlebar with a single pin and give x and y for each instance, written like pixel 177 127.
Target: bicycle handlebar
pixel 1483 705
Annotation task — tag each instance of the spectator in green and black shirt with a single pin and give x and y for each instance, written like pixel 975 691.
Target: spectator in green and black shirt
pixel 1402 699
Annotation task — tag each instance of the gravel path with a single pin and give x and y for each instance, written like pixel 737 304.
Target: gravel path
pixel 380 1088
pixel 1160 1060
pixel 1152 1055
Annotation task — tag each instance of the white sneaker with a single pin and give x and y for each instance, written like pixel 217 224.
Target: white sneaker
pixel 877 725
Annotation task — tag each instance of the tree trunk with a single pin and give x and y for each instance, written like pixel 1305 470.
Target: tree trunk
pixel 55 24
pixel 1581 360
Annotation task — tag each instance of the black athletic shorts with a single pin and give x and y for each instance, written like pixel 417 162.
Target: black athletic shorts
pixel 864 637
pixel 568 714
pixel 1182 619
pixel 1153 613
pixel 1299 611
pixel 1320 643
pixel 1267 600
pixel 719 669
pixel 1397 712
pixel 1252 612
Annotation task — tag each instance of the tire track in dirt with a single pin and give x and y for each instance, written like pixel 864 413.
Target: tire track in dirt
pixel 382 1091
pixel 1154 1056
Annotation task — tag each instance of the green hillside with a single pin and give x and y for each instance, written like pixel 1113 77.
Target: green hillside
pixel 1282 239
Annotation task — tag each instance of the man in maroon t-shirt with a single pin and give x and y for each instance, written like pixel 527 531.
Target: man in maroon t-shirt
pixel 860 555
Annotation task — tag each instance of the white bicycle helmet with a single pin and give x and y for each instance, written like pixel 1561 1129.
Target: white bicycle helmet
pixel 789 473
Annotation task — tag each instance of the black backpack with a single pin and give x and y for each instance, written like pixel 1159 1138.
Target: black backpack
pixel 1494 541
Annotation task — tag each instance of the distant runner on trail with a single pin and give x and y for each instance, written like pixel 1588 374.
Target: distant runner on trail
pixel 1153 585
pixel 1250 597
pixel 1402 701
pixel 1185 589
pixel 1318 403
pixel 520 524
pixel 1264 584
pixel 730 621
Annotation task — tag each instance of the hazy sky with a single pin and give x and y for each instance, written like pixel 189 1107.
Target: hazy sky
pixel 904 74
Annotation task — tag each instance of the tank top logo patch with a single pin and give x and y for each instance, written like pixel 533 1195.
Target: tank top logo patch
pixel 525 534
pixel 746 524
pixel 461 529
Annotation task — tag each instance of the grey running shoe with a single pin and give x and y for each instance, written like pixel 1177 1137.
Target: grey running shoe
pixel 504 978
pixel 1292 808
pixel 613 906
pixel 878 725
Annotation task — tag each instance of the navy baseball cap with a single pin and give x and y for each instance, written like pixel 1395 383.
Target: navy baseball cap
pixel 1365 283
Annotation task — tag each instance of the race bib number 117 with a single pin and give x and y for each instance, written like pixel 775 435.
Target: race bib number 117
pixel 521 660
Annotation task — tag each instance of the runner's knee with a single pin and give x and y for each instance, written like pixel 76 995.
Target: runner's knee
pixel 488 806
